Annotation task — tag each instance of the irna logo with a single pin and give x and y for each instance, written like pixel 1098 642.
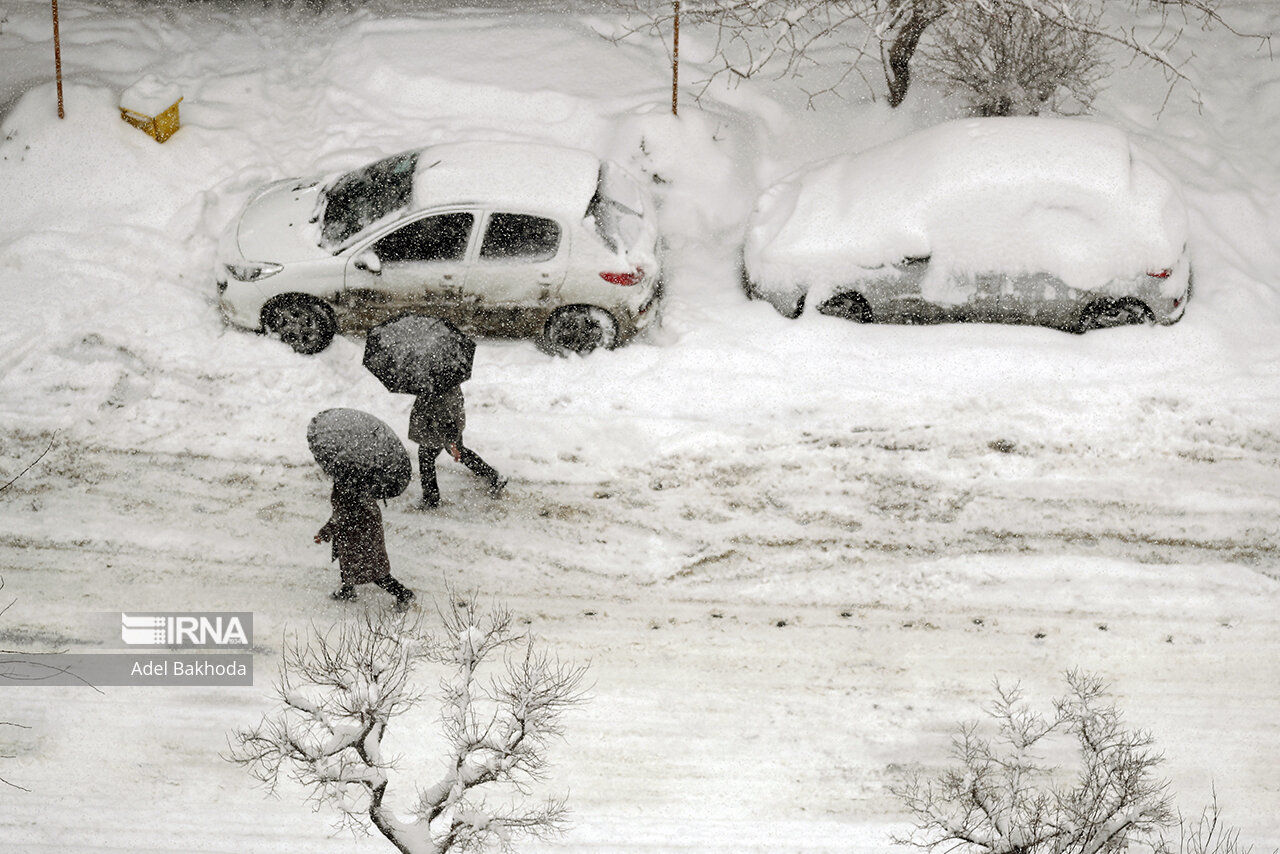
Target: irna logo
pixel 185 629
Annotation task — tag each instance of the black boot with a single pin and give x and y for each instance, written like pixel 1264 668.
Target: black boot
pixel 496 485
pixel 471 460
pixel 427 474
pixel 345 593
pixel 404 596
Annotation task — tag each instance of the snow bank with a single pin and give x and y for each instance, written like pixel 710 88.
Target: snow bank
pixel 700 164
pixel 106 239
pixel 525 176
pixel 150 96
pixel 1021 194
pixel 788 469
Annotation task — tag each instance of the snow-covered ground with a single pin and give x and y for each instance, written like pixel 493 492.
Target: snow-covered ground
pixel 795 552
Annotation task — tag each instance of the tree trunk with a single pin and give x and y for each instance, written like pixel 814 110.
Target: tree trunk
pixel 897 60
pixel 381 820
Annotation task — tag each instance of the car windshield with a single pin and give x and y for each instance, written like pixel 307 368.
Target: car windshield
pixel 366 195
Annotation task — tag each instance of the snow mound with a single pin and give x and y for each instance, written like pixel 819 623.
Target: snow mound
pixel 699 164
pixel 1066 196
pixel 520 175
pixel 150 96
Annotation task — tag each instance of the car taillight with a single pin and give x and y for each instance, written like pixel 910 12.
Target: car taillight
pixel 1160 274
pixel 631 278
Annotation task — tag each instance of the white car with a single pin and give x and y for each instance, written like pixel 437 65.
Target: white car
pixel 1051 221
pixel 501 238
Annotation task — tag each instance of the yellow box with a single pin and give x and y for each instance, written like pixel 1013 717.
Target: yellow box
pixel 159 127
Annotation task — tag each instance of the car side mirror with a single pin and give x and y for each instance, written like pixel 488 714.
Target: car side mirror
pixel 369 261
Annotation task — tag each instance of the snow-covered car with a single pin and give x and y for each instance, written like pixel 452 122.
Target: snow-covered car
pixel 1051 221
pixel 501 238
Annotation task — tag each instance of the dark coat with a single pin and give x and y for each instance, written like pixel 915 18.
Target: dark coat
pixel 356 531
pixel 437 420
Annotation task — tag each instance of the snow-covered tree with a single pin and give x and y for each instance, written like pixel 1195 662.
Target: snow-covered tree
pixel 1076 780
pixel 1208 835
pixel 1011 60
pixel 1004 796
pixel 818 42
pixel 501 700
pixel 825 42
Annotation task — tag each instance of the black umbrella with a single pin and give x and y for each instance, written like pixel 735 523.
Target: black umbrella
pixel 419 355
pixel 359 450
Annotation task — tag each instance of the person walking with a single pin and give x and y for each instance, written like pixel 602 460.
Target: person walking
pixel 436 423
pixel 359 546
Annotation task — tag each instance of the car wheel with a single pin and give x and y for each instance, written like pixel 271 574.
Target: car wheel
pixel 581 329
pixel 1106 313
pixel 306 325
pixel 848 305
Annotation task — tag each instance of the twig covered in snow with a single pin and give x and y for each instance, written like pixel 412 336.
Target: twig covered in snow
pixel 1209 835
pixel 3 780
pixel 821 43
pixel 832 40
pixel 341 690
pixel 1003 796
pixel 1012 59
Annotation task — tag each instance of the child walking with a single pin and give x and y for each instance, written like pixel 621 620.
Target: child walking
pixel 355 528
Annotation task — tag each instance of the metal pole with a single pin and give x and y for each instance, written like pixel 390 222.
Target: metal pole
pixel 57 58
pixel 675 61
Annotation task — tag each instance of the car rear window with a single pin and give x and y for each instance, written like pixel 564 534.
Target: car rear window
pixel 520 237
pixel 363 196
pixel 615 209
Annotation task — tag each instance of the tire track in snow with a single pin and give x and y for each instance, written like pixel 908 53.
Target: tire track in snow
pixel 791 666
pixel 742 511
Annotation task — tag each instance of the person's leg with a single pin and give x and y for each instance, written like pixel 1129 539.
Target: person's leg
pixel 472 460
pixel 395 588
pixel 347 592
pixel 427 474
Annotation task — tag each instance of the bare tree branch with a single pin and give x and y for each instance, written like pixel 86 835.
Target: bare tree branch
pixel 30 465
pixel 340 691
pixel 1000 796
pixel 833 39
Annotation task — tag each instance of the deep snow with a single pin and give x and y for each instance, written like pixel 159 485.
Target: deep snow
pixel 1067 196
pixel 796 553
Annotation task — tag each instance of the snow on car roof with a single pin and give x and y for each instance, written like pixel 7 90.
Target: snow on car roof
pixel 519 176
pixel 1067 196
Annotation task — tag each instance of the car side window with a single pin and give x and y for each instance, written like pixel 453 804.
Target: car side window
pixel 520 237
pixel 432 238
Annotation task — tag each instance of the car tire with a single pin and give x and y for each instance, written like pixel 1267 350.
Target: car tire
pixel 580 329
pixel 1105 313
pixel 848 305
pixel 305 324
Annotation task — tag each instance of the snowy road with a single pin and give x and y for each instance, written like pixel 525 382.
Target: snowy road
pixel 796 554
pixel 758 686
